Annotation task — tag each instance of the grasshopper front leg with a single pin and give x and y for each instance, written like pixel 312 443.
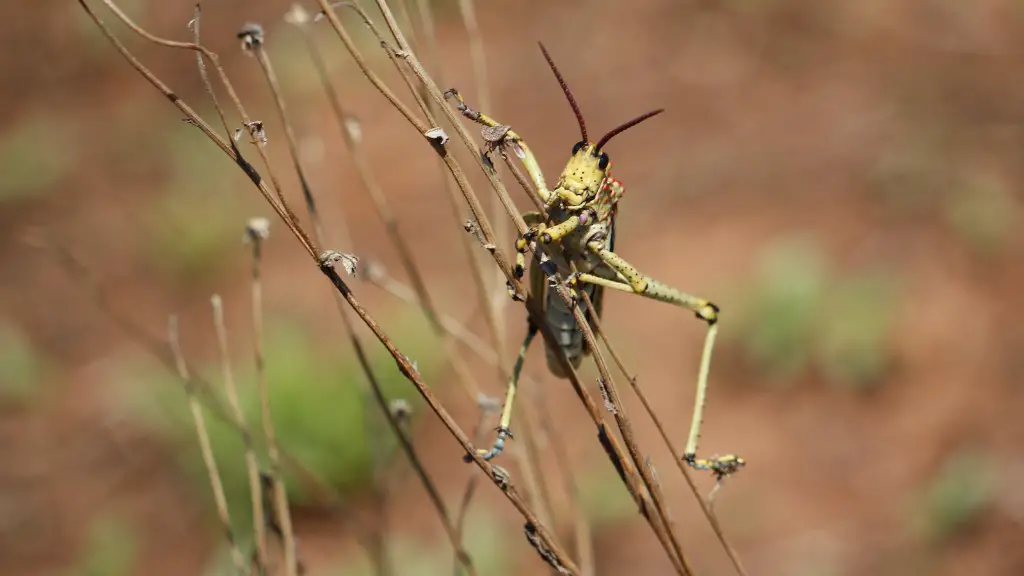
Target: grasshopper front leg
pixel 506 136
pixel 633 281
pixel 539 230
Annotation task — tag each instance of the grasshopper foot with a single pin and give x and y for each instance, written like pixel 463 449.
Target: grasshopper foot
pixel 499 445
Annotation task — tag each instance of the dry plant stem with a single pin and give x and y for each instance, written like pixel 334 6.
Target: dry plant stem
pixel 411 373
pixel 201 64
pixel 206 448
pixel 543 535
pixel 293 145
pixel 159 350
pixel 584 543
pixel 422 128
pixel 456 122
pixel 283 512
pixel 661 521
pixel 251 463
pixel 226 146
pixel 626 429
pixel 709 512
pixel 375 388
pixel 282 211
pixel 533 475
pixel 467 10
pixel 623 464
pixel 493 320
pixel 471 484
pixel 494 324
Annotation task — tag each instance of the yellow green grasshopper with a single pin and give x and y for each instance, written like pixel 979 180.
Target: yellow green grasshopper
pixel 581 210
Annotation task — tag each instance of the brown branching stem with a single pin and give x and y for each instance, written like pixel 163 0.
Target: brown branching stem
pixel 355 340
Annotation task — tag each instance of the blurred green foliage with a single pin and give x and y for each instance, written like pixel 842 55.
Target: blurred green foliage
pixel 21 367
pixel 955 497
pixel 317 406
pixel 983 213
pixel 798 313
pixel 195 221
pixel 110 549
pixel 604 499
pixel 35 155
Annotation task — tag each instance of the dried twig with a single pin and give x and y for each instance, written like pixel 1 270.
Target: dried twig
pixel 256 232
pixel 251 463
pixel 355 340
pixel 206 448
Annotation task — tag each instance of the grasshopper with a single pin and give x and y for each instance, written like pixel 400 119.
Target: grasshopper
pixel 581 210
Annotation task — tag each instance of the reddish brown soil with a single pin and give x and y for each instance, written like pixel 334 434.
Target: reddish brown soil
pixel 779 117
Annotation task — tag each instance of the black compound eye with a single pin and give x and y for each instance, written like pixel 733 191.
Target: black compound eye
pixel 579 146
pixel 603 162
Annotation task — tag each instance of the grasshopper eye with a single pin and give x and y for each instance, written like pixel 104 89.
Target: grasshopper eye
pixel 579 146
pixel 603 162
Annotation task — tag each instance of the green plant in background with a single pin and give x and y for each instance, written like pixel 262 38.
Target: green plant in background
pixel 36 154
pixel 853 344
pixel 110 549
pixel 777 321
pixel 604 499
pixel 195 220
pixel 983 213
pixel 955 497
pixel 318 411
pixel 21 367
pixel 798 313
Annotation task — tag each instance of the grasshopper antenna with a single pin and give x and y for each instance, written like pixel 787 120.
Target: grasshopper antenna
pixel 568 94
pixel 625 126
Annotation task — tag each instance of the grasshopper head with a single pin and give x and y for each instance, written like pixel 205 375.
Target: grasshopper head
pixel 589 164
pixel 585 170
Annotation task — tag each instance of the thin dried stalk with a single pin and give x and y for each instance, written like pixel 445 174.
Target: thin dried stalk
pixel 227 146
pixel 478 56
pixel 375 387
pixel 282 512
pixel 251 462
pixel 205 447
pixel 709 512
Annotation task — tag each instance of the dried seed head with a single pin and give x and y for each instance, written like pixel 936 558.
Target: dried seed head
pixel 256 131
pixel 374 271
pixel 297 15
pixel 251 36
pixel 437 135
pixel 400 409
pixel 331 259
pixel 354 128
pixel 257 229
pixel 488 404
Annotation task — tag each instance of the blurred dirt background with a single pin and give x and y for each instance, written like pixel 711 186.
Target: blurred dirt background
pixel 842 178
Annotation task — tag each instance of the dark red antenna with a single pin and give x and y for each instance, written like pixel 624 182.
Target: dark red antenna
pixel 623 127
pixel 565 88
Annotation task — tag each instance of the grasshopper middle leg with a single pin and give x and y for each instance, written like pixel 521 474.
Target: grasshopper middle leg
pixel 504 433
